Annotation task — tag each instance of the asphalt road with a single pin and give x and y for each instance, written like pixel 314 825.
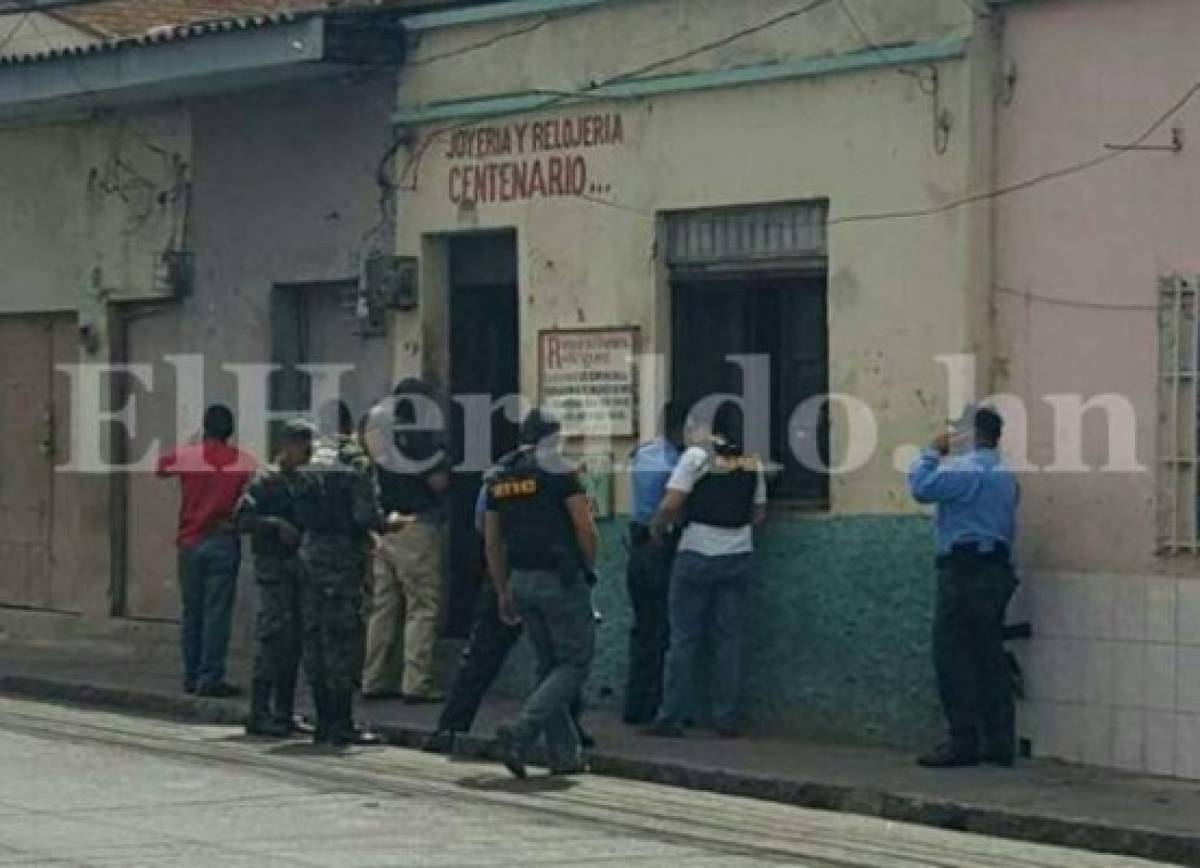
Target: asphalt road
pixel 80 787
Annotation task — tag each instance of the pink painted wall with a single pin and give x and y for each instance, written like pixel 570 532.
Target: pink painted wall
pixel 1090 72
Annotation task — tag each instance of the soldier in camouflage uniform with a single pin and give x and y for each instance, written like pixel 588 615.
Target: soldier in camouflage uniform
pixel 267 511
pixel 338 506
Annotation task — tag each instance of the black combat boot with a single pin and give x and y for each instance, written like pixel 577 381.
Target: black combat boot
pixel 260 722
pixel 341 726
pixel 285 705
pixel 344 732
pixel 321 704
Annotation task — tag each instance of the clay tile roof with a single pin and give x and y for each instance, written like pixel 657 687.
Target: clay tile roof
pixel 125 18
pixel 119 19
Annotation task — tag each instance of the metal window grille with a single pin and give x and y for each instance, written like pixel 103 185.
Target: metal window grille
pixel 1179 370
pixel 744 234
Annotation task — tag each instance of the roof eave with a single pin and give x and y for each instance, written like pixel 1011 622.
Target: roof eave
pixel 297 49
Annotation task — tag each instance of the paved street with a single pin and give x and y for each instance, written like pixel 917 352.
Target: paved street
pixel 83 787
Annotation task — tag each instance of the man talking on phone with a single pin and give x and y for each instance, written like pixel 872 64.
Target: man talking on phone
pixel 976 496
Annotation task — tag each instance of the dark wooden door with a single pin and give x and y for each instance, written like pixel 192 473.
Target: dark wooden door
pixel 39 533
pixel 483 361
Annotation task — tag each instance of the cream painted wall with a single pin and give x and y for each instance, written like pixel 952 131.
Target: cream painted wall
pixel 900 291
pixel 594 44
pixel 1100 237
pixel 89 208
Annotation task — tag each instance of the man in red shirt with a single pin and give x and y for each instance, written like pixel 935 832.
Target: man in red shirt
pixel 211 476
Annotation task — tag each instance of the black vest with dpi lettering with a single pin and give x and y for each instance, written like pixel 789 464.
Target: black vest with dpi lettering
pixel 724 495
pixel 537 530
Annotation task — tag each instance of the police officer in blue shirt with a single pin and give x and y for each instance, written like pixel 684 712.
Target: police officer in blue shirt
pixel 649 570
pixel 976 497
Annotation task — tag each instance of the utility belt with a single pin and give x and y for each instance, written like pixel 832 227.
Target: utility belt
pixel 427 519
pixel 997 553
pixel 566 568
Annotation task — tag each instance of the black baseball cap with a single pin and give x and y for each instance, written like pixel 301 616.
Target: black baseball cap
pixel 539 425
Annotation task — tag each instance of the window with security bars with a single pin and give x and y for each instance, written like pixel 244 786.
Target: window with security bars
pixel 1179 369
pixel 752 281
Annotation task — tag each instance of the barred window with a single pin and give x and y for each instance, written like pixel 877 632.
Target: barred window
pixel 1179 314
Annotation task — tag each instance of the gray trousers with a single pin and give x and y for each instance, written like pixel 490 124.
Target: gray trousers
pixel 557 614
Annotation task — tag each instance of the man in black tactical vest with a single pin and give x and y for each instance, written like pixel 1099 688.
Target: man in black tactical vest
pixel 541 546
pixel 718 493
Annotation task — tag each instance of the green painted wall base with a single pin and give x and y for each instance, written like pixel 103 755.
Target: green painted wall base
pixel 837 645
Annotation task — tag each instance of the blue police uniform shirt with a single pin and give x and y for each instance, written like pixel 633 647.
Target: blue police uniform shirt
pixel 976 496
pixel 653 463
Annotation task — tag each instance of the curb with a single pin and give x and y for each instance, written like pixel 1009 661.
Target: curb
pixel 997 822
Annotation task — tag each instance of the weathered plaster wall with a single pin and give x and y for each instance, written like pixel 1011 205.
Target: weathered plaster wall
pixel 285 191
pixel 590 45
pixel 90 207
pixel 839 636
pixel 1095 244
pixel 264 188
pixel 1112 671
pixel 901 290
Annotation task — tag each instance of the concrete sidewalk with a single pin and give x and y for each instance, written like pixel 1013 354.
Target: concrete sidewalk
pixel 1048 803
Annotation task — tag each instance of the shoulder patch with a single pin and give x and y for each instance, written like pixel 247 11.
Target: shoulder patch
pixel 506 489
pixel 733 463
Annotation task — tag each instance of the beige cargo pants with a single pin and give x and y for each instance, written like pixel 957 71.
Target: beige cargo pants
pixel 405 612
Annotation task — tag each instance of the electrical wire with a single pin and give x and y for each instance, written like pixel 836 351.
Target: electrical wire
pixel 412 165
pixel 1072 303
pixel 931 88
pixel 488 43
pixel 1036 180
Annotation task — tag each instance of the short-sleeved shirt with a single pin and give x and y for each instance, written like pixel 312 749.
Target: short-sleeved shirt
pixel 411 493
pixel 212 475
pixel 531 502
pixel 706 539
pixel 651 469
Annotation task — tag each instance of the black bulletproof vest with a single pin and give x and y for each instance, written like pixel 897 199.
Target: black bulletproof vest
pixel 724 496
pixel 537 529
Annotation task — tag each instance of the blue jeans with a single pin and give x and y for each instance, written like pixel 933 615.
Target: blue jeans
pixel 207 581
pixel 708 595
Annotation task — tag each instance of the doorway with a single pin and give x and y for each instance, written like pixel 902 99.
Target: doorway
pixel 43 552
pixel 484 360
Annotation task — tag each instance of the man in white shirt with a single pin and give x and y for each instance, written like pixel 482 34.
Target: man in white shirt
pixel 719 494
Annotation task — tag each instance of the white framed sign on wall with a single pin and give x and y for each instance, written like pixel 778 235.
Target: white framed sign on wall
pixel 588 377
